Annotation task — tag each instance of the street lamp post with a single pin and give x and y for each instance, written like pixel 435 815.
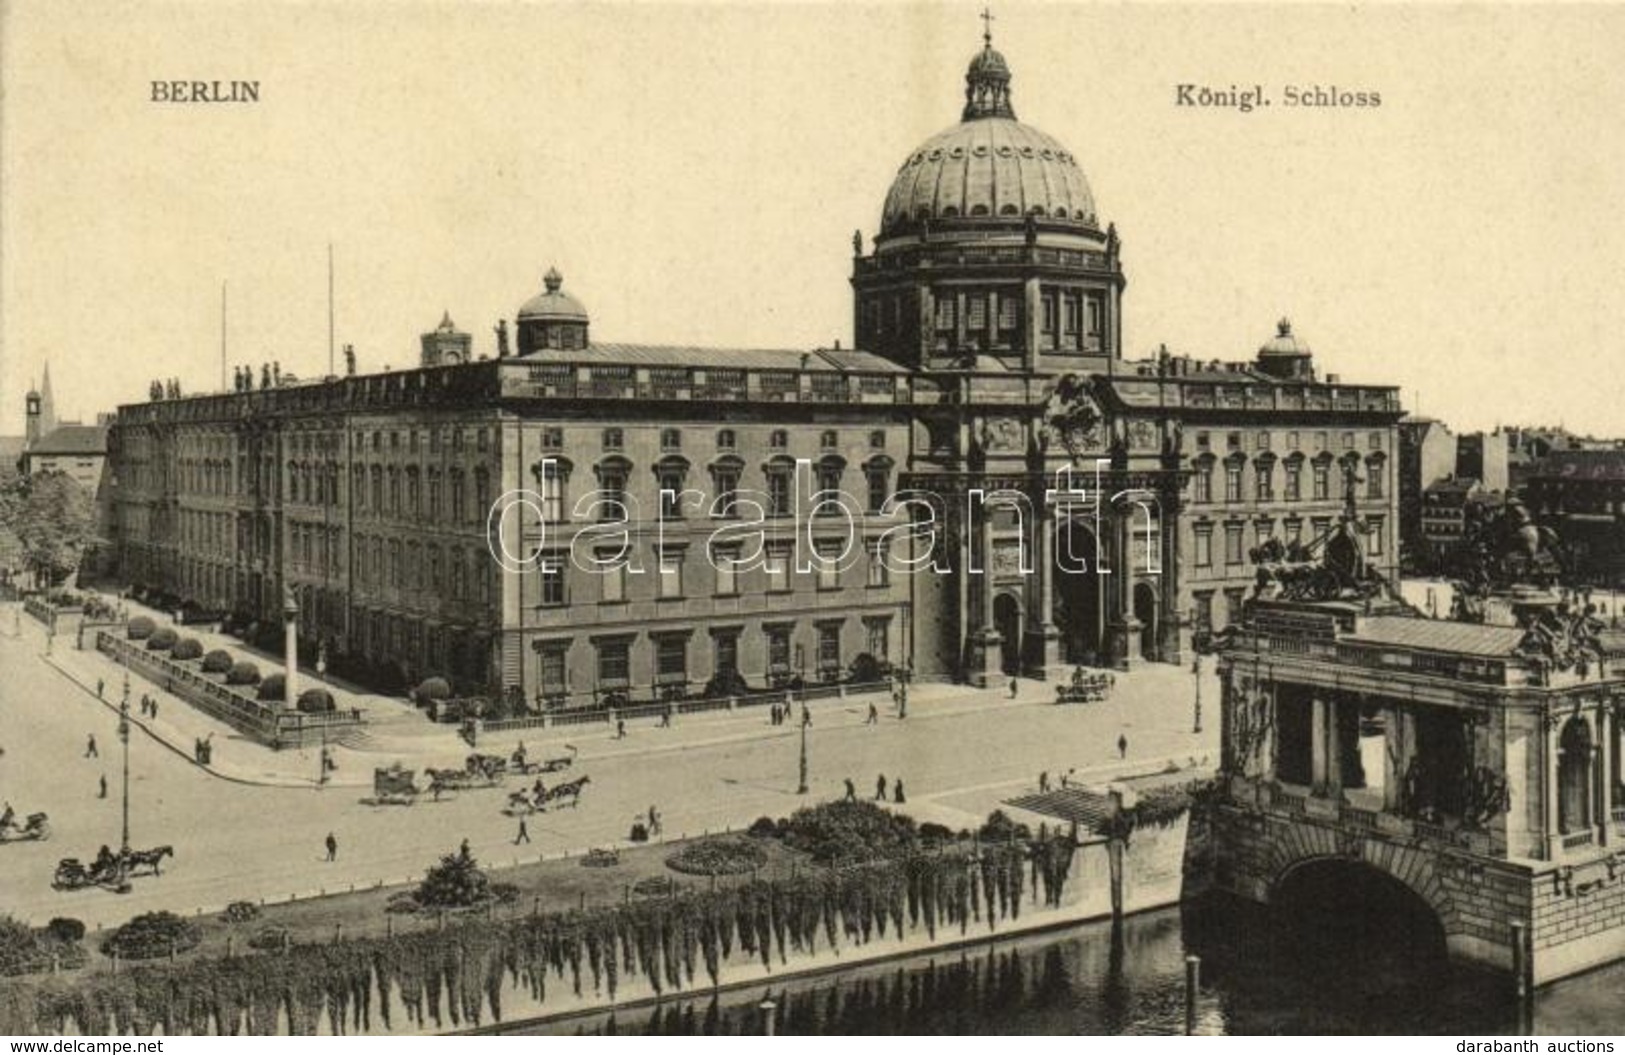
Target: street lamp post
pixel 801 789
pixel 123 885
pixel 1196 675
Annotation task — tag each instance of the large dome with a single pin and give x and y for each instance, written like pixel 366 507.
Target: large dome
pixel 989 165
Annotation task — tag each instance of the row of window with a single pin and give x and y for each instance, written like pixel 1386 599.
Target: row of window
pixel 445 436
pixel 450 572
pixel 784 657
pixel 774 567
pixel 1264 529
pixel 1233 441
pixel 672 476
pixel 671 439
pixel 1292 466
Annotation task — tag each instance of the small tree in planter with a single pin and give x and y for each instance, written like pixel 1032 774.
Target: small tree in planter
pixel 243 673
pixel 274 688
pixel 315 701
pixel 162 639
pixel 187 648
pixel 217 662
pixel 431 690
pixel 138 628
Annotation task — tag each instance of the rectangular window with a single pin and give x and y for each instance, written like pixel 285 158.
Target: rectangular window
pixel 1348 441
pixel 552 569
pixel 614 664
pixel 1294 532
pixel 726 653
pixel 877 637
pixel 879 573
pixel 1233 599
pixel 1264 479
pixel 552 438
pixel 1263 530
pixel 1323 480
pixel 879 489
pixel 1008 317
pixel 726 562
pixel 1294 481
pixel 1262 441
pixel 671 657
pixel 1204 482
pixel 1374 479
pixel 671 488
pixel 1374 540
pixel 976 312
pixel 778 649
pixel 945 313
pixel 727 481
pixel 1232 543
pixel 552 495
pixel 1073 312
pixel 1204 610
pixel 1374 441
pixel 778 494
pixel 1204 547
pixel 829 572
pixel 829 649
pixel 612 492
pixel 776 563
pixel 552 670
pixel 1232 483
pixel 612 439
pixel 671 575
pixel 1292 441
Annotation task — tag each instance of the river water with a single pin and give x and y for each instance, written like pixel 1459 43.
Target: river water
pixel 1260 975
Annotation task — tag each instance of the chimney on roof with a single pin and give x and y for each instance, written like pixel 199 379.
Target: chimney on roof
pixel 837 344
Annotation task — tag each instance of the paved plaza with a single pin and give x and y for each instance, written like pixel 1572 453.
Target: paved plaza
pixel 255 825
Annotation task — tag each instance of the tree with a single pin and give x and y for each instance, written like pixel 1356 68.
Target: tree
pixel 54 517
pixel 456 882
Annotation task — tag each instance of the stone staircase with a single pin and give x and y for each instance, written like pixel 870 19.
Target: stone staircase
pixel 1080 806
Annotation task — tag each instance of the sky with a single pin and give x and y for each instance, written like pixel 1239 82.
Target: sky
pixel 696 173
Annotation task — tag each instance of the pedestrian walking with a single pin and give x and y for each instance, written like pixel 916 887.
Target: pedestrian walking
pixel 152 708
pixel 333 847
pixel 90 746
pixel 806 715
pixel 874 714
pixel 1012 688
pixel 102 794
pixel 524 833
pixel 654 821
pixel 1043 782
pixel 620 728
pixel 880 788
pixel 1122 745
pixel 897 791
pixel 1066 778
pixel 851 790
pixel 98 688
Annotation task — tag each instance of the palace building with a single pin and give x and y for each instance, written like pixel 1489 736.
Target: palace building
pixel 1072 506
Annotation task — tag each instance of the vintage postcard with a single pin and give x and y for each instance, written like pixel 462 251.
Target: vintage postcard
pixel 821 518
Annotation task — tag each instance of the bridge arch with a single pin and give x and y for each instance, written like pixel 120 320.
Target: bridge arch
pixel 1390 901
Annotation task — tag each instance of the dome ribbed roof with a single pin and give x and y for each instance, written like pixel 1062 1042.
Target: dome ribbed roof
pixel 989 166
pixel 1283 344
pixel 553 303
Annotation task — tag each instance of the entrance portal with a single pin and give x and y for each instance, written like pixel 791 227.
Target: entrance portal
pixel 1007 620
pixel 1077 594
pixel 1145 611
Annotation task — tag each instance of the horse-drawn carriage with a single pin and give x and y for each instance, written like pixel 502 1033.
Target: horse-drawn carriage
pixel 394 785
pixel 109 868
pixel 522 764
pixel 479 771
pixel 36 826
pixel 538 798
pixel 1086 686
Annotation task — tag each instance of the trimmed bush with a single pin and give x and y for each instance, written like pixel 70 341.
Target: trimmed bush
pixel 316 701
pixel 138 628
pixel 430 690
pixel 718 857
pixel 850 831
pixel 242 912
pixel 243 673
pixel 274 687
pixel 162 640
pixel 763 828
pixel 66 930
pixel 151 935
pixel 217 662
pixel 187 648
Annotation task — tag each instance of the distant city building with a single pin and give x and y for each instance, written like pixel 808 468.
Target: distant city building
pixel 1482 456
pixel 1451 508
pixel 1427 453
pixel 988 314
pixel 1581 494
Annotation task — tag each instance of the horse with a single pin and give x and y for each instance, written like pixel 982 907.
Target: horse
pixel 568 792
pixel 519 802
pixel 148 859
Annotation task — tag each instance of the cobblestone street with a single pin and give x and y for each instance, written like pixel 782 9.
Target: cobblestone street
pixel 255 829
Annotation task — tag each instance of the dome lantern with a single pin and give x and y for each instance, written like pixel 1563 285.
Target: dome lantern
pixel 987 81
pixel 552 318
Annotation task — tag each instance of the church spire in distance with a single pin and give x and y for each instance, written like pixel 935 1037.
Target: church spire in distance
pixel 987 82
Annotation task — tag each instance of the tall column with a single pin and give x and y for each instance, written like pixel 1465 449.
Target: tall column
pixel 1333 751
pixel 290 648
pixel 1554 838
pixel 1049 635
pixel 1317 742
pixel 986 639
pixel 1605 776
pixel 1168 525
